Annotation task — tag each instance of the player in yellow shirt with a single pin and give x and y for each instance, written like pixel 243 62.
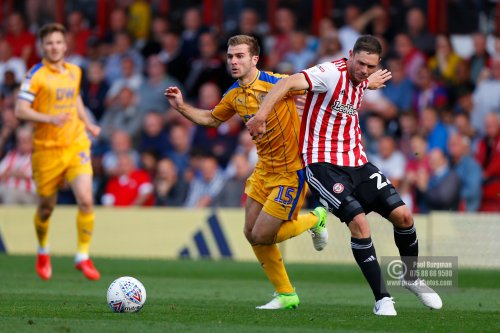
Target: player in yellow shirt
pixel 50 97
pixel 276 189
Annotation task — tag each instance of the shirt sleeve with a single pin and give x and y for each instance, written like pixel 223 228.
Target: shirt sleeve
pixel 321 76
pixel 29 87
pixel 224 110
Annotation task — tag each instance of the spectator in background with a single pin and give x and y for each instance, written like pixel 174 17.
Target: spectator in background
pixel 408 127
pixel 463 126
pixel 130 186
pixel 237 173
pixel 221 141
pixel 248 24
pixel 434 130
pixel 121 47
pixel 428 92
pixel 78 31
pixel 480 59
pixel 411 57
pixel 22 41
pixel 299 56
pixel 131 79
pixel 206 185
pixel 440 189
pixel 94 89
pixel 170 188
pixel 193 28
pixel 150 93
pixel 278 43
pixel 9 62
pixel 399 90
pixel 71 55
pixel 209 66
pixel 416 28
pixel 468 171
pixel 247 147
pixel 153 45
pixel 486 97
pixel 179 152
pixel 488 156
pixel 375 130
pixel 390 160
pixel 417 164
pixel 170 55
pixel 139 21
pixel 16 183
pixel 118 19
pixel 124 116
pixel 329 47
pixel 8 88
pixel 7 132
pixel 444 63
pixel 153 135
pixel 120 143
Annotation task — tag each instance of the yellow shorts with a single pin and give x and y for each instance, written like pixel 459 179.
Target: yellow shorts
pixel 52 166
pixel 281 194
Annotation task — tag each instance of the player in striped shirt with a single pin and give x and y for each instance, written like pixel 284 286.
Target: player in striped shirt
pixel 50 97
pixel 337 167
pixel 276 189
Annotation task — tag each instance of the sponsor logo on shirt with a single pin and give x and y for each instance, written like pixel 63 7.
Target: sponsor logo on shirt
pixel 349 109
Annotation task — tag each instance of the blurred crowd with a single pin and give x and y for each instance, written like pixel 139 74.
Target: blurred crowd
pixel 434 130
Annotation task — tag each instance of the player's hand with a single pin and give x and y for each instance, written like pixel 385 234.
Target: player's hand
pixel 377 79
pixel 94 130
pixel 256 127
pixel 59 119
pixel 174 97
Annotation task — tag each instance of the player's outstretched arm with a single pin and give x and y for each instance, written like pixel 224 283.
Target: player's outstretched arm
pixel 257 125
pixel 197 116
pixel 24 111
pixel 377 79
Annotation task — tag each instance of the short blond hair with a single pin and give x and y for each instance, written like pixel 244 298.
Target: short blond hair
pixel 49 28
pixel 253 45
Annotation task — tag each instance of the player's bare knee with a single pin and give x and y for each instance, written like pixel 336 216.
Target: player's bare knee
pixel 45 211
pixel 359 227
pixel 86 206
pixel 262 239
pixel 401 217
pixel 248 235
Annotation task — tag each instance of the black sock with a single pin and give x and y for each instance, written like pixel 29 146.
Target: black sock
pixel 407 243
pixel 364 253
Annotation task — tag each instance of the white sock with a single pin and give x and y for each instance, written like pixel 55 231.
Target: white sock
pixel 79 257
pixel 43 250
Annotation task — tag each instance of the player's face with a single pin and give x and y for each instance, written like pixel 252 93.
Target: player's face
pixel 240 62
pixel 361 65
pixel 54 47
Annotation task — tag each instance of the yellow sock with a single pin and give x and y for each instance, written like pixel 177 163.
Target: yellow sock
pixel 270 259
pixel 41 229
pixel 85 227
pixel 293 228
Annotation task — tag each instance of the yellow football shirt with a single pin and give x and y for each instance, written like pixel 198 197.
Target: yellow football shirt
pixel 52 92
pixel 278 149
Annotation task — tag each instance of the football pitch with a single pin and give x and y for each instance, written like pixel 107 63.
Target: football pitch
pixel 220 296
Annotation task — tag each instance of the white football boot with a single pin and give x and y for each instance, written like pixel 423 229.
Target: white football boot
pixel 424 293
pixel 384 307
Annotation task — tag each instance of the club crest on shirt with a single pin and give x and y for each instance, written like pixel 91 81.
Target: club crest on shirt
pixel 338 188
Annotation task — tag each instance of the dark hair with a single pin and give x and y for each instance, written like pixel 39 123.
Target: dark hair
pixel 50 28
pixel 368 44
pixel 253 45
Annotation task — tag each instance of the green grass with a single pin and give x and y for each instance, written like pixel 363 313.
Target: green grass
pixel 206 296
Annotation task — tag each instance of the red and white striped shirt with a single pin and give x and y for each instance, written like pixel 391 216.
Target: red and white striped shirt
pixel 19 162
pixel 330 130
